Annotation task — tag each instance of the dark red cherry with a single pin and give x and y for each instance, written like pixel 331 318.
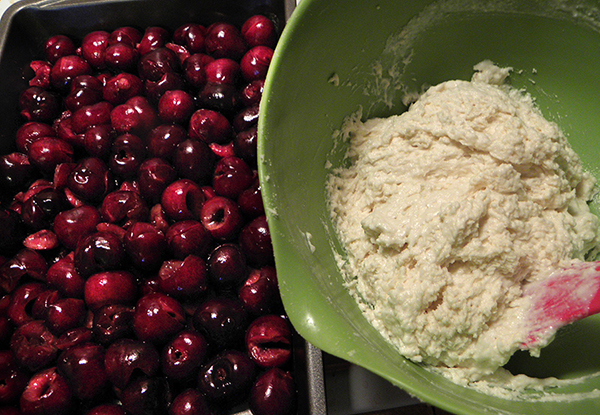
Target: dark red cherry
pixel 13 379
pixel 250 201
pixel 194 69
pixel 90 180
pixel 223 71
pixel 183 355
pixel 100 251
pixel 110 287
pixel 63 276
pixel 222 98
pixel 255 240
pixel 223 320
pixel 145 245
pixel 93 48
pixel 154 175
pixel 25 265
pixel 154 64
pixel 73 224
pixel 251 94
pixel 122 87
pixel 185 279
pixel 66 68
pixel 43 303
pixel 169 81
pixel 190 402
pixel 74 337
pixel 39 210
pixel 227 266
pixel 112 322
pixel 125 34
pixel 82 97
pixel 20 307
pixel 91 115
pixel 121 57
pixel 246 119
pixel 182 200
pixel 97 140
pixel 46 393
pixel 127 356
pixel 194 160
pixel 38 104
pixel 190 35
pixel 260 291
pixel 33 345
pixel 158 317
pixel 58 46
pixel 127 154
pixel 86 81
pixel 269 341
pixel 41 70
pixel 224 40
pixel 222 217
pixel 135 116
pixel 259 30
pixel 123 207
pixel 48 152
pixel 30 132
pixel 164 139
pixel 188 237
pixel 64 129
pixel 232 175
pixel 227 377
pixel 154 37
pixel 66 314
pixel 255 63
pixel 273 393
pixel 176 106
pixel 83 368
pixel 245 145
pixel 210 126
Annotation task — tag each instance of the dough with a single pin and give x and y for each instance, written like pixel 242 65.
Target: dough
pixel 448 210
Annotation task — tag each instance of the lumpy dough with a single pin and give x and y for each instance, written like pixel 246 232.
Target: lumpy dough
pixel 447 210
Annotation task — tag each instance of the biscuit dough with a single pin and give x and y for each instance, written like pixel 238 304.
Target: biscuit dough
pixel 448 210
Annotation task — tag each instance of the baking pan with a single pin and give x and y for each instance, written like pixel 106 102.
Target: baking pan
pixel 27 24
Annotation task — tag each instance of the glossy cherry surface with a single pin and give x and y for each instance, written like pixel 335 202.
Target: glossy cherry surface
pixel 83 368
pixel 131 263
pixel 183 355
pixel 223 320
pixel 125 357
pixel 227 376
pixel 157 317
pixel 273 393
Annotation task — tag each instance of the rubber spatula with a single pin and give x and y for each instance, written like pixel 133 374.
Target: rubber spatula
pixel 568 295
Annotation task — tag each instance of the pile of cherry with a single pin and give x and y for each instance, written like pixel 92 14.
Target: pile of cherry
pixel 136 267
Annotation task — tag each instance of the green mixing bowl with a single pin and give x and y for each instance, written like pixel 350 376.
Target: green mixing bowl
pixel 336 57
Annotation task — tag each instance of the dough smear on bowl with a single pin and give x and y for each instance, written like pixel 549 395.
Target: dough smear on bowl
pixel 448 210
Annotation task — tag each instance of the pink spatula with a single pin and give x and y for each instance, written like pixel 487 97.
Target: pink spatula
pixel 568 295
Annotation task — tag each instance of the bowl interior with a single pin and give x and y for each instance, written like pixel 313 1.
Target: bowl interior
pixel 334 59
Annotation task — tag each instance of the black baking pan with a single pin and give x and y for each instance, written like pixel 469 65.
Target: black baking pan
pixel 26 25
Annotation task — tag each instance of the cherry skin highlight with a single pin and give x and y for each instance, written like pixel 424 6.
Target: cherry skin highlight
pixel 134 259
